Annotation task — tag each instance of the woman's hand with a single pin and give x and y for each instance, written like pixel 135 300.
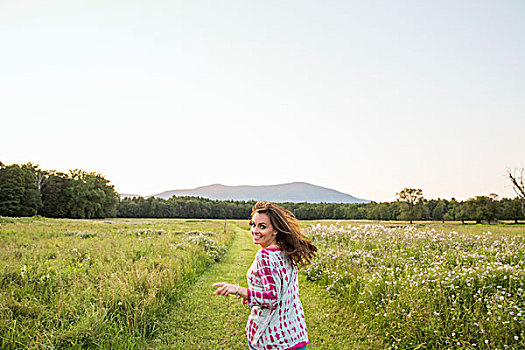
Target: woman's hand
pixel 225 288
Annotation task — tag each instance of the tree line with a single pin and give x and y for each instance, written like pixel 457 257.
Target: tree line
pixel 27 190
pixel 479 209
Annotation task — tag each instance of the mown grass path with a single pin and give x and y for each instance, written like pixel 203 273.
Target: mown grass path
pixel 203 320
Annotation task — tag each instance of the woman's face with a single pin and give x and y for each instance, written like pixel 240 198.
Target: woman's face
pixel 262 230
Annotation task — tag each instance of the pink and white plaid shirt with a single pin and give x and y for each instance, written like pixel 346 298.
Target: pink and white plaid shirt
pixel 277 317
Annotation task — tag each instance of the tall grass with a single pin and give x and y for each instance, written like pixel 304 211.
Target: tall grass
pixel 426 288
pixel 94 284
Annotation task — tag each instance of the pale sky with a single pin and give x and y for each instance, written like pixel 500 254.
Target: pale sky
pixel 365 97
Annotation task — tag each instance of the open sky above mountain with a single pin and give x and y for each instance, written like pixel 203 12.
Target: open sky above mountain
pixel 363 97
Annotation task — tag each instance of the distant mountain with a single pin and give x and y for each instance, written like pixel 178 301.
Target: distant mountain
pixel 127 195
pixel 290 192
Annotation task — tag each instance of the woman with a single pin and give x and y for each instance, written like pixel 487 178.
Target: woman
pixel 277 319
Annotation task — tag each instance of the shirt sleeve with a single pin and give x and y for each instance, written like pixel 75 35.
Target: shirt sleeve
pixel 271 279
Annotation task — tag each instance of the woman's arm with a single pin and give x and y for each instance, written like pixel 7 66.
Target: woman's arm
pixel 271 280
pixel 227 289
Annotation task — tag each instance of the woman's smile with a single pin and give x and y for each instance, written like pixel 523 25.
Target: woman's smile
pixel 262 230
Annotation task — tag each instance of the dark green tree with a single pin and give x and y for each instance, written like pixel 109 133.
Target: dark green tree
pixel 19 195
pixel 452 209
pixel 379 211
pixel 79 195
pixel 439 211
pixel 56 195
pixel 511 209
pixel 482 208
pixel 39 175
pixel 410 197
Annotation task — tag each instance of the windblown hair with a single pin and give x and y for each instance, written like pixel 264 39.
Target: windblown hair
pixel 290 237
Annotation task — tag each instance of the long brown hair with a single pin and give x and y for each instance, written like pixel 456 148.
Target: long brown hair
pixel 290 237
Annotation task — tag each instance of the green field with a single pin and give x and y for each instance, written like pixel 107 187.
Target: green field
pixel 79 283
pixel 145 283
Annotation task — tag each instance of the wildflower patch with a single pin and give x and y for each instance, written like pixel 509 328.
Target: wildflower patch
pixel 424 286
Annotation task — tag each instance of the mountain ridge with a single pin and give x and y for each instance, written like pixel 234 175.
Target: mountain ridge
pixel 288 192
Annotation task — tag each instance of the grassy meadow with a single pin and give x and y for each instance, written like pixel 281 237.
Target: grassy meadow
pixel 97 284
pixel 146 283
